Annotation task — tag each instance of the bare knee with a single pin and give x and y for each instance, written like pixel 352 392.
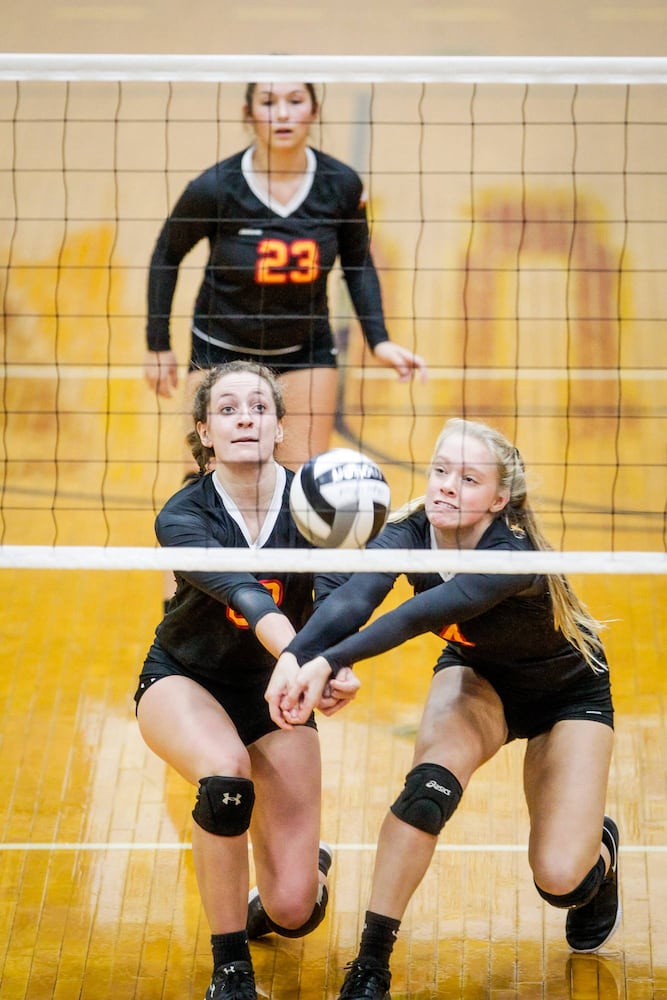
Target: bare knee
pixel 289 908
pixel 231 760
pixel 559 874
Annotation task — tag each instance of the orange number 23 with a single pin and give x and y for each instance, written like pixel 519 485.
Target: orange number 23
pixel 279 262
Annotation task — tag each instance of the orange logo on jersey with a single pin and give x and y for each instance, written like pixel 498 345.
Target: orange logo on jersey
pixel 279 262
pixel 274 587
pixel 452 633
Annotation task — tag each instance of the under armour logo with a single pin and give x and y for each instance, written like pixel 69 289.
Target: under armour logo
pixel 228 799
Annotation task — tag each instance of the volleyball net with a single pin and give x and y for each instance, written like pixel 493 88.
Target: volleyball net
pixel 518 210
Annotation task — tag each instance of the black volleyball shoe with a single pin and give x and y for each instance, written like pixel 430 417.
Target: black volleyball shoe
pixel 589 927
pixel 365 980
pixel 232 981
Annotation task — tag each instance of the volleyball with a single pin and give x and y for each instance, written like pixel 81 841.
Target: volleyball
pixel 340 499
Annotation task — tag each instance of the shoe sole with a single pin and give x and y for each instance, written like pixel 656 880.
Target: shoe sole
pixel 610 826
pixel 325 848
pixel 254 935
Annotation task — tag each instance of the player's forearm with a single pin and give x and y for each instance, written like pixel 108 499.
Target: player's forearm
pixel 364 288
pixel 274 631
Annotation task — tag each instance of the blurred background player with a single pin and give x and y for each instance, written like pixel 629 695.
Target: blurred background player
pixel 276 217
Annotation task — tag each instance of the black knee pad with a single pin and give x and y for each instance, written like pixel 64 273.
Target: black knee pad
pixel 582 894
pixel 224 805
pixel 313 921
pixel 430 796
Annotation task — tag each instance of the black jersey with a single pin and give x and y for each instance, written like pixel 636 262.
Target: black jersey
pixel 265 284
pixel 208 627
pixel 490 621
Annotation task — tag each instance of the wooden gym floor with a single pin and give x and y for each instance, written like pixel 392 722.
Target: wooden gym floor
pixel 98 898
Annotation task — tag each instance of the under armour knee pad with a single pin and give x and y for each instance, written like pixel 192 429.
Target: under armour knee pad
pixel 313 921
pixel 430 796
pixel 224 805
pixel 582 894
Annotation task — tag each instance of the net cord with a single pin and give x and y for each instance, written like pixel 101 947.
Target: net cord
pixel 335 68
pixel 329 560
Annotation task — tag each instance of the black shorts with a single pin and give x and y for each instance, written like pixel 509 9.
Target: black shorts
pixel 321 354
pixel 529 713
pixel 245 705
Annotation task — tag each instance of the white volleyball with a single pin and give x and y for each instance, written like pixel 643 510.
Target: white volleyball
pixel 340 499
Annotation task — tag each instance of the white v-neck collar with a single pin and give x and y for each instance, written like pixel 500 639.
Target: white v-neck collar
pixel 269 521
pixel 299 196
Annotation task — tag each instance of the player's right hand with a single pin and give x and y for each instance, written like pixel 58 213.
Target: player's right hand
pixel 305 693
pixel 161 372
pixel 284 676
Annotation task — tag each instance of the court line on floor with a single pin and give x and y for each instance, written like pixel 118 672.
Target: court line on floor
pixel 360 373
pixel 184 846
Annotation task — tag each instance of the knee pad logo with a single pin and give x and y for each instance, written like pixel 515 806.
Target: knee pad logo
pixel 438 788
pixel 224 805
pixel 228 799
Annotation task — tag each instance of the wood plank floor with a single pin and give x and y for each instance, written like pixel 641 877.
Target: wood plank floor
pixel 98 897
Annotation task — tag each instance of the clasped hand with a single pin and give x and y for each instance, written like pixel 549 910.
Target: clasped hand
pixel 293 692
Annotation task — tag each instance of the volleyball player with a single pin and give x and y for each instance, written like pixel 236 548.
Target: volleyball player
pixel 276 216
pixel 523 660
pixel 200 698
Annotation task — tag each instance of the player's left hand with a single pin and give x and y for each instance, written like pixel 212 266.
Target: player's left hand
pixel 339 691
pixel 401 359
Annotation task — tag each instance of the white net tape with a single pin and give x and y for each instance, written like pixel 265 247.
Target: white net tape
pixel 341 69
pixel 328 560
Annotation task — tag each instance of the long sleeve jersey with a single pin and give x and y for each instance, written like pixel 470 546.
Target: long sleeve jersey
pixel 209 623
pixel 265 282
pixel 488 620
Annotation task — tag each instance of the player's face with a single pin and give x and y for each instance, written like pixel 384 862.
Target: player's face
pixel 281 114
pixel 463 494
pixel 242 425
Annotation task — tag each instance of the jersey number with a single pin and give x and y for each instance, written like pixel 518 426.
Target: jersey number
pixel 279 262
pixel 274 587
pixel 452 633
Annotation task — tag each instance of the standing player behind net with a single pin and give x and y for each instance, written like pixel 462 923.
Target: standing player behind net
pixel 276 216
pixel 200 698
pixel 522 660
